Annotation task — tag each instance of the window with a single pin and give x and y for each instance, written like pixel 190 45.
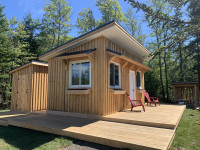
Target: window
pixel 79 73
pixel 114 75
pixel 138 80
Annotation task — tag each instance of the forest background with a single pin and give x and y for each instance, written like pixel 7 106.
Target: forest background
pixel 169 29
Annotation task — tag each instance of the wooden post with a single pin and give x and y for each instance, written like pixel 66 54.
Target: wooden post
pixel 174 93
pixel 195 96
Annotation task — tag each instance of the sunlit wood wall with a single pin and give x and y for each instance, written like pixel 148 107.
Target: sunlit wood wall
pixel 29 88
pixel 99 100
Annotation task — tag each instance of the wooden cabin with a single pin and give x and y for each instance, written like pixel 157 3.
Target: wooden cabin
pixel 187 93
pixel 29 87
pixel 90 74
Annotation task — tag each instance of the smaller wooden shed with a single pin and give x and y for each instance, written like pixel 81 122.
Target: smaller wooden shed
pixel 29 87
pixel 186 92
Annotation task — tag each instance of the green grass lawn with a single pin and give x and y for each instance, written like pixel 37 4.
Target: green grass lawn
pixel 4 110
pixel 188 132
pixel 14 138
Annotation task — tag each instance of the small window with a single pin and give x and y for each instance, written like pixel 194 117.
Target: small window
pixel 79 74
pixel 114 75
pixel 138 80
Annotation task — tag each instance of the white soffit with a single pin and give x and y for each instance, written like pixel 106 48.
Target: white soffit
pixel 122 39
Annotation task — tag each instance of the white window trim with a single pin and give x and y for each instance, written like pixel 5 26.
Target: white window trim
pixel 140 80
pixel 113 87
pixel 70 74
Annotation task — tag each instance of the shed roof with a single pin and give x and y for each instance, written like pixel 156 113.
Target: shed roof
pixel 29 64
pixel 112 31
pixel 185 83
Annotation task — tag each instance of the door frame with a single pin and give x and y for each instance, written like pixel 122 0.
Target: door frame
pixel 133 77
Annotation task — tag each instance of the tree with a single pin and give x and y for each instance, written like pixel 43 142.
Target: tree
pixel 20 45
pixel 158 31
pixel 56 21
pixel 140 37
pixel 130 22
pixel 179 46
pixel 188 26
pixel 85 21
pixel 179 38
pixel 31 27
pixel 110 10
pixel 5 58
pixel 131 25
pixel 194 45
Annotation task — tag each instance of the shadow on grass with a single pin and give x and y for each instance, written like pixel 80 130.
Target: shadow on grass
pixel 25 139
pixel 83 145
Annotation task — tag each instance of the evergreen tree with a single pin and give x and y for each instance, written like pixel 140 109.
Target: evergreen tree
pixel 31 27
pixel 85 21
pixel 5 58
pixel 20 45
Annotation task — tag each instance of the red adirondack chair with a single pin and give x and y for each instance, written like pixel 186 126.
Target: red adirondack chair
pixel 151 99
pixel 135 105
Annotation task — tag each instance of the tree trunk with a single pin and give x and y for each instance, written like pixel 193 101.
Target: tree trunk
pixel 160 64
pixel 54 36
pixel 166 76
pixel 59 26
pixel 166 70
pixel 4 89
pixel 198 62
pixel 161 79
pixel 181 63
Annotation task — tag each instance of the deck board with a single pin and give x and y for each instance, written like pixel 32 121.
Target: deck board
pixel 163 116
pixel 103 132
pixel 111 133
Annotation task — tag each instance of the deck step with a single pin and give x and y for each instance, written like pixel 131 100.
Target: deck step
pixel 142 123
pixel 163 116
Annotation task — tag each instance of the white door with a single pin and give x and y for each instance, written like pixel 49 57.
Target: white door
pixel 132 84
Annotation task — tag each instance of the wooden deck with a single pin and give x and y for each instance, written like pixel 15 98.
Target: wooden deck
pixel 163 116
pixel 116 134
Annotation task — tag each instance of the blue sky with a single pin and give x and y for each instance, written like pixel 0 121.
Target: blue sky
pixel 19 8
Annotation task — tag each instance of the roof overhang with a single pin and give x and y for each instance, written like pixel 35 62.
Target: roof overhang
pixel 112 31
pixel 136 64
pixel 185 83
pixel 29 64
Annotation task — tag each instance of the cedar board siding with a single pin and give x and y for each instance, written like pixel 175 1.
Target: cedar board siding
pixel 118 102
pixel 29 89
pixel 100 100
pixel 39 88
pixel 80 103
